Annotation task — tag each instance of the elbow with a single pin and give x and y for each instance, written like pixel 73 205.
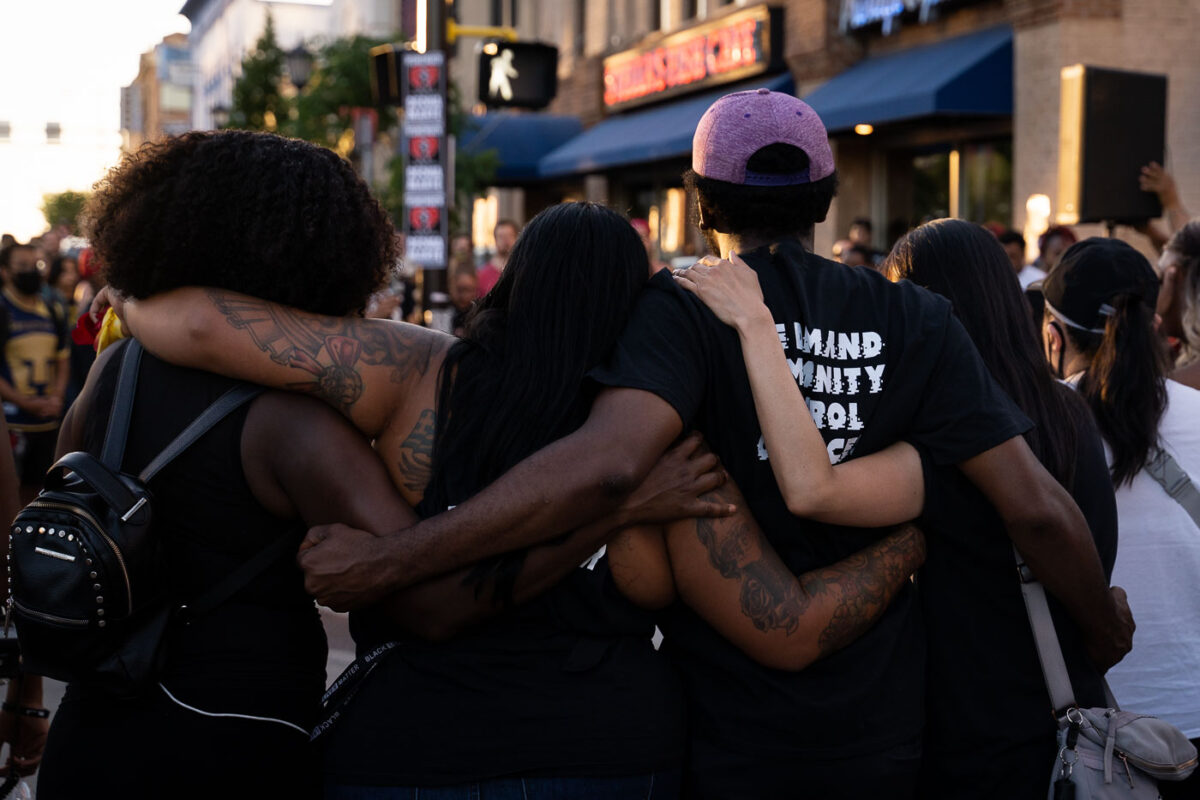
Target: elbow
pixel 197 327
pixel 618 477
pixel 1039 509
pixel 808 501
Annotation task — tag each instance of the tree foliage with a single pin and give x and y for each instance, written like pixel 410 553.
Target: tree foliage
pixel 258 103
pixel 63 208
pixel 323 111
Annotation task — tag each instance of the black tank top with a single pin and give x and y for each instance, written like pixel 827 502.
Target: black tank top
pixel 262 653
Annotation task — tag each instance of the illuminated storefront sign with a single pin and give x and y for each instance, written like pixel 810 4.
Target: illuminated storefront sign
pixel 732 48
pixel 864 13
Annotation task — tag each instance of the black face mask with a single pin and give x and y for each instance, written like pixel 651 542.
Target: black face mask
pixel 27 282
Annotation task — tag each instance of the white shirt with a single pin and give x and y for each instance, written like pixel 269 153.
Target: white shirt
pixel 1029 275
pixel 1158 565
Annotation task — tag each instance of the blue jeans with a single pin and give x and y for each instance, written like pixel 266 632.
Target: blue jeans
pixel 655 786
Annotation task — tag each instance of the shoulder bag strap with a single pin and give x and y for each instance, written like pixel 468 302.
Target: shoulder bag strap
pixel 122 408
pixel 240 578
pixel 1166 470
pixel 221 408
pixel 1049 651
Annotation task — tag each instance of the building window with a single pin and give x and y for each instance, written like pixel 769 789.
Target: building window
pixel 53 133
pixel 691 9
pixel 498 15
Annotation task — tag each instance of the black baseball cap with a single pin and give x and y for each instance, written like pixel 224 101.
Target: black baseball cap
pixel 1079 291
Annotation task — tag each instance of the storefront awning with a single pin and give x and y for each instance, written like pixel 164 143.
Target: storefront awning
pixel 970 74
pixel 520 140
pixel 657 133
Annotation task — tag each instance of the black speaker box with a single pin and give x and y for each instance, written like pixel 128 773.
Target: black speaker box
pixel 1112 124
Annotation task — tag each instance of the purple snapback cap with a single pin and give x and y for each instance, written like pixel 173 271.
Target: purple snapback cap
pixel 738 125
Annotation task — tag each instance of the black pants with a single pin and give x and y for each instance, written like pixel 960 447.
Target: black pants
pixel 152 748
pixel 885 775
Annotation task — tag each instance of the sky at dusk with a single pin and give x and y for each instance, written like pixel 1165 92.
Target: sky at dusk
pixel 65 61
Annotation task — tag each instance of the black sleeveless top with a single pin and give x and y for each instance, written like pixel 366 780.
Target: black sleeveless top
pixel 262 653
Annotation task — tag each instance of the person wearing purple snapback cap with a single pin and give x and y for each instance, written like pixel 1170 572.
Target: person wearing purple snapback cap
pixel 880 362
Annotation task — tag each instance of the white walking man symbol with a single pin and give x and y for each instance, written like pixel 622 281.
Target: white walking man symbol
pixel 502 70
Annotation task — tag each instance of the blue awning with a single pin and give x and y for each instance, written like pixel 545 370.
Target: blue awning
pixel 520 140
pixel 968 75
pixel 661 132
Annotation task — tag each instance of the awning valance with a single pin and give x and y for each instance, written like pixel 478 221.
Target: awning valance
pixel 966 75
pixel 520 140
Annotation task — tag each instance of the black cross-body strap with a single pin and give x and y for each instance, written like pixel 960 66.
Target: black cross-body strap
pixel 122 407
pixel 240 577
pixel 222 407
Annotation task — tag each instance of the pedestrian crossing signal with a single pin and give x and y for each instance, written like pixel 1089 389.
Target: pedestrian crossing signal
pixel 517 74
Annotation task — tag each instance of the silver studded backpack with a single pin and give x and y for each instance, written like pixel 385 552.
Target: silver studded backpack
pixel 87 577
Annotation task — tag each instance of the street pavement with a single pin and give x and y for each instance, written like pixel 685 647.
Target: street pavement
pixel 341 653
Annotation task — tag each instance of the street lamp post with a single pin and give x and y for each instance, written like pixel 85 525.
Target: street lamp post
pixel 220 115
pixel 299 66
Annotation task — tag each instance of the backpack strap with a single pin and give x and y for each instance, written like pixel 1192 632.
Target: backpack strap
pixel 122 408
pixel 222 407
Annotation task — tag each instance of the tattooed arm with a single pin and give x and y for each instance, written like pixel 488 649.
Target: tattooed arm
pixel 439 608
pixel 362 367
pixel 727 572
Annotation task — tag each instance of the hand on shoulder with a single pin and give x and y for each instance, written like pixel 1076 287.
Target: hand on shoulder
pixel 729 287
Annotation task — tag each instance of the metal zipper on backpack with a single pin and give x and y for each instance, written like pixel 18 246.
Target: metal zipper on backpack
pixel 83 512
pixel 50 617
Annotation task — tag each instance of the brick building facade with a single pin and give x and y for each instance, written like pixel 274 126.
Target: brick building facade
pixel 981 166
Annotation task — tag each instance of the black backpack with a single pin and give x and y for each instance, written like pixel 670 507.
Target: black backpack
pixel 88 584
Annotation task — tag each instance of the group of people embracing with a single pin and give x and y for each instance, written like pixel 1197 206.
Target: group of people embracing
pixel 539 499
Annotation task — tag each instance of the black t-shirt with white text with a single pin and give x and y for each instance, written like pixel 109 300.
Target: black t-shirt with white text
pixel 878 362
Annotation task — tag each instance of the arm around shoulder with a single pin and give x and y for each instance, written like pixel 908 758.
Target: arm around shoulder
pixel 363 368
pixel 1051 533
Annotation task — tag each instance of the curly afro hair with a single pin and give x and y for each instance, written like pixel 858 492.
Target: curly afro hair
pixel 280 219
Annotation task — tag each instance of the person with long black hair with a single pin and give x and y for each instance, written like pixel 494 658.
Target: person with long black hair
pixel 980 640
pixel 1101 334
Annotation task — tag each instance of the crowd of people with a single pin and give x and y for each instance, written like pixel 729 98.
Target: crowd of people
pixel 740 530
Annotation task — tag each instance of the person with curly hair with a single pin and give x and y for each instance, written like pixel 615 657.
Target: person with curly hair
pixel 233 707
